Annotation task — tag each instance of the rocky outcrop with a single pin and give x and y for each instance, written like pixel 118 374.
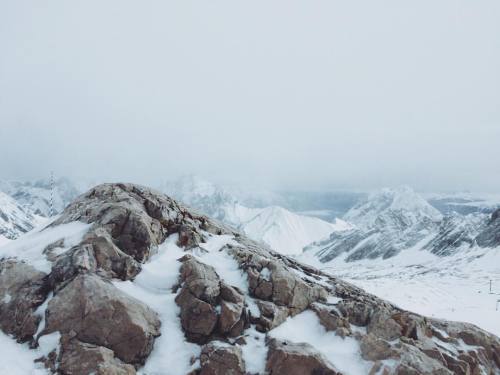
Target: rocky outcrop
pixel 221 359
pixel 105 331
pixel 22 290
pixel 91 309
pixel 296 359
pixel 208 306
pixel 79 358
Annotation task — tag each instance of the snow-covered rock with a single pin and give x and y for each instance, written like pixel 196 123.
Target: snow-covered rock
pixel 211 293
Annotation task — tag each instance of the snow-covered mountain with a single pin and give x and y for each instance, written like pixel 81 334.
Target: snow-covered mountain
pixel 397 208
pixel 14 219
pixel 399 219
pixel 386 223
pixel 282 230
pixel 35 196
pixel 127 280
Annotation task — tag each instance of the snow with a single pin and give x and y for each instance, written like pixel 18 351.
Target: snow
pixel 343 353
pixel 453 288
pixel 18 359
pixel 30 247
pixel 255 351
pixel 153 286
pixel 4 240
pixel 282 230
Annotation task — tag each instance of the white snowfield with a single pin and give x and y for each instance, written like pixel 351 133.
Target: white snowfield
pixel 280 229
pixel 453 288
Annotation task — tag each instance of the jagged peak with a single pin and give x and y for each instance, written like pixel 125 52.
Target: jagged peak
pixel 402 200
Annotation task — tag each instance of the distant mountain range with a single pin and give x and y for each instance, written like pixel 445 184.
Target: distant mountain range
pixel 279 228
pixel 393 220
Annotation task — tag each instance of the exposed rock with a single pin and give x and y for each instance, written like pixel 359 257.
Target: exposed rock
pixel 79 358
pixel 330 317
pixel 200 298
pixel 490 236
pixel 221 359
pixel 22 290
pixel 296 359
pixel 105 331
pixel 271 315
pixel 99 314
pixel 375 349
pixel 383 326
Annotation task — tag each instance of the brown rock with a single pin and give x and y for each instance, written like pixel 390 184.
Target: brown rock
pixel 271 315
pixel 79 358
pixel 100 314
pixel 383 326
pixel 296 359
pixel 221 359
pixel 330 317
pixel 375 349
pixel 22 290
pixel 198 318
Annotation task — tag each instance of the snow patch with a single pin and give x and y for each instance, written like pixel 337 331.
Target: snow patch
pixel 153 286
pixel 30 247
pixel 343 353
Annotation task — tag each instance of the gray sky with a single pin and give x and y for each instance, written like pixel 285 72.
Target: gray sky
pixel 290 94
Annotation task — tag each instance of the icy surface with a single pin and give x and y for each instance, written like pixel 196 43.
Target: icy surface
pixel 343 353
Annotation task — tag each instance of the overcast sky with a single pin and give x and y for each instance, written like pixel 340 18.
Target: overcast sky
pixel 290 94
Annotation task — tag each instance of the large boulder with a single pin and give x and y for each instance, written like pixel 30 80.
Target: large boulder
pixel 296 359
pixel 208 305
pixel 79 358
pixel 22 290
pixel 218 358
pixel 95 312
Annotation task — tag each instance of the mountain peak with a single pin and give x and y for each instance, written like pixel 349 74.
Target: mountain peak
pixel 401 201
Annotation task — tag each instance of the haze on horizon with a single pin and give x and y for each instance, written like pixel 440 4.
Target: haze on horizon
pixel 283 94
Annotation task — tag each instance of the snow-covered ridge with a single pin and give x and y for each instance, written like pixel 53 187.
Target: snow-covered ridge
pixel 165 290
pixel 391 205
pixel 394 220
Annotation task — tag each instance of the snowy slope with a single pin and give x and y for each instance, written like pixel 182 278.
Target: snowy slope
pixel 35 196
pixel 282 230
pixel 397 208
pixel 455 287
pixel 14 220
pixel 386 223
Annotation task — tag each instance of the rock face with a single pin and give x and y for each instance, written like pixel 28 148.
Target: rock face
pixel 22 290
pixel 490 236
pixel 249 290
pixel 297 359
pixel 104 308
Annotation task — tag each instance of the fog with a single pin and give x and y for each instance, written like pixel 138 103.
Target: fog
pixel 283 94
